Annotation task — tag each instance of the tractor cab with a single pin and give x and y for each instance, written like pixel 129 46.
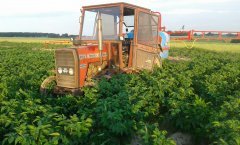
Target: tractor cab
pixel 130 32
pixel 113 38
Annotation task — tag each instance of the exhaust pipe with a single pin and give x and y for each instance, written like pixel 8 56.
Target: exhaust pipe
pixel 100 35
pixel 80 22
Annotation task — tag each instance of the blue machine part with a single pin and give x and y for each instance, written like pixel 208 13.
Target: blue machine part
pixel 130 35
pixel 164 54
pixel 165 38
pixel 164 44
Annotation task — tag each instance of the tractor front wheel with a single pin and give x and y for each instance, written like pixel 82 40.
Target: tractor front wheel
pixel 45 84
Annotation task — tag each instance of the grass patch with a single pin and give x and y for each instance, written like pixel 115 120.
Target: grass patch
pixel 30 39
pixel 208 45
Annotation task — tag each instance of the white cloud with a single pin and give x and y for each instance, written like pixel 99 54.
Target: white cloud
pixel 197 11
pixel 65 13
pixel 30 7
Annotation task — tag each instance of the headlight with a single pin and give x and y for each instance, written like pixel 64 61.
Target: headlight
pixel 60 70
pixel 65 70
pixel 70 71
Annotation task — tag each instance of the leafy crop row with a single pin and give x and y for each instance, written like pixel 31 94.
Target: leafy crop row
pixel 199 96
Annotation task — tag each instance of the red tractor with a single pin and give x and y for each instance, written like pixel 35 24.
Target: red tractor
pixel 114 38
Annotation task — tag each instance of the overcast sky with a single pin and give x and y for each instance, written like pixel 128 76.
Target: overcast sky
pixel 61 16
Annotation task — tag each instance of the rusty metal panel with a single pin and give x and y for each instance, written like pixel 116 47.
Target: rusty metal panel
pixel 144 59
pixel 66 59
pixel 116 4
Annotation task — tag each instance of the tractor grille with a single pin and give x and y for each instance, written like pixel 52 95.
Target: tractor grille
pixel 66 59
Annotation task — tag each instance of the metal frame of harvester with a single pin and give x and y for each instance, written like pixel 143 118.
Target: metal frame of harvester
pixel 204 35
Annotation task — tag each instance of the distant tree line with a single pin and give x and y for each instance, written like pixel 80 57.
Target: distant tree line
pixel 35 34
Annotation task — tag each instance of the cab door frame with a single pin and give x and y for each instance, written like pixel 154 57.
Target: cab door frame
pixel 144 54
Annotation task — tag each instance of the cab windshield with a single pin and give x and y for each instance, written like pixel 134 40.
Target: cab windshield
pixel 110 23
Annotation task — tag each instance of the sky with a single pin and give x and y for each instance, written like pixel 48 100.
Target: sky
pixel 62 16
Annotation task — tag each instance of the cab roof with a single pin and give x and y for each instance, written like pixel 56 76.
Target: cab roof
pixel 115 4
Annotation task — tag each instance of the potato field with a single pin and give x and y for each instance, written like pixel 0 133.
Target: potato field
pixel 196 93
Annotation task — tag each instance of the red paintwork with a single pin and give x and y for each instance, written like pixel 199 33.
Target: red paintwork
pixel 190 35
pixel 185 37
pixel 88 54
pixel 160 27
pixel 159 20
pixel 220 35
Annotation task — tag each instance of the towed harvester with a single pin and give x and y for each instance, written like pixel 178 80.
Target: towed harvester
pixel 204 35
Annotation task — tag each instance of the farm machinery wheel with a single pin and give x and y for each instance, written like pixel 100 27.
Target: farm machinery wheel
pixel 48 87
pixel 63 91
pixel 44 86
